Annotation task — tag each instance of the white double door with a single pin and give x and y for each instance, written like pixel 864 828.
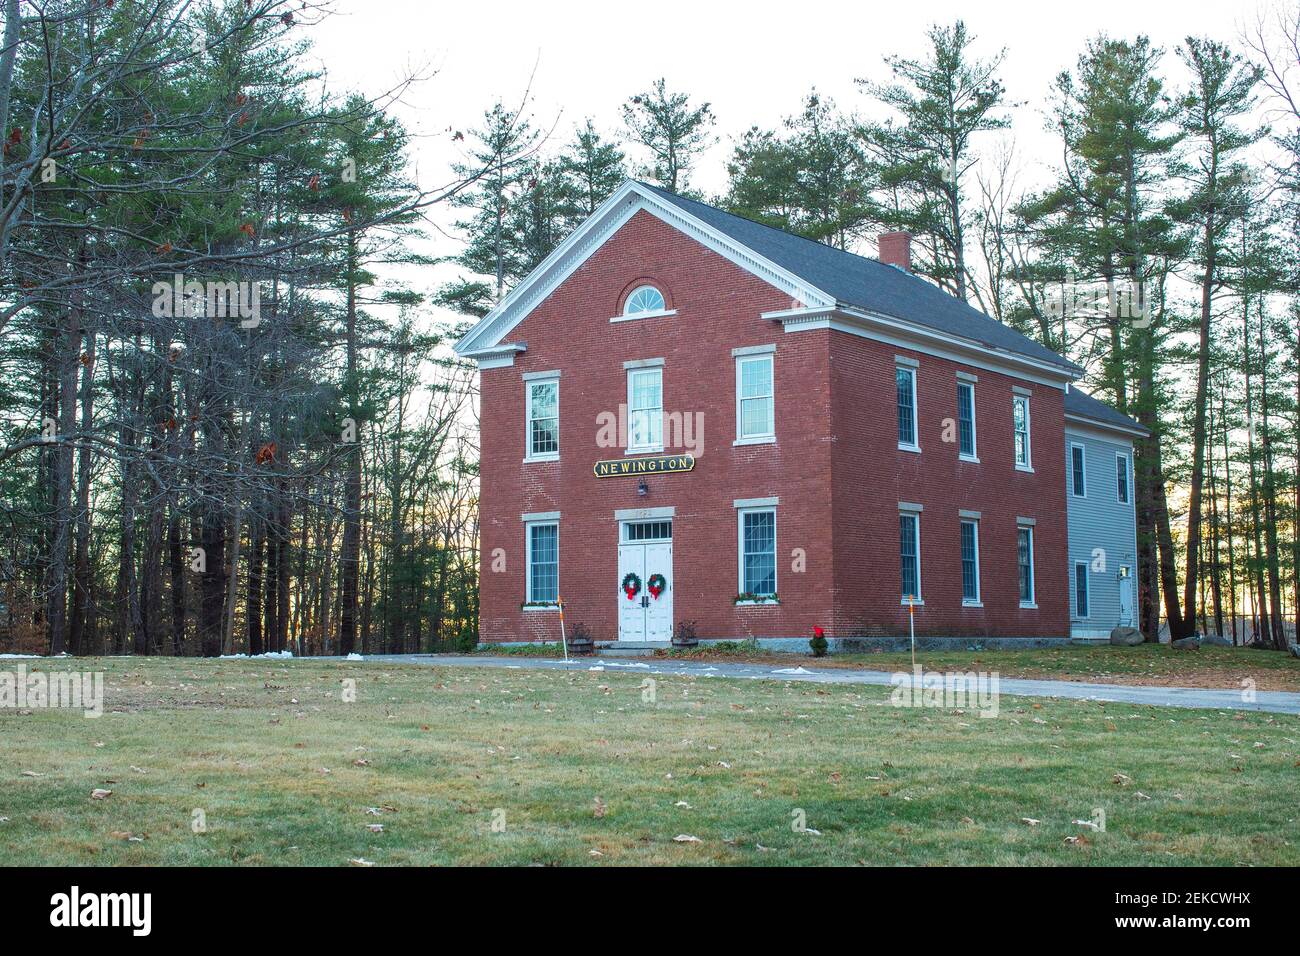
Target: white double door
pixel 644 617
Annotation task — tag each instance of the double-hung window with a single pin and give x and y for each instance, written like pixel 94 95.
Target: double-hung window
pixel 970 561
pixel 966 419
pixel 645 404
pixel 755 411
pixel 1025 563
pixel 543 419
pixel 909 553
pixel 1081 589
pixel 1020 424
pixel 543 562
pixel 1121 478
pixel 1077 480
pixel 758 552
pixel 905 387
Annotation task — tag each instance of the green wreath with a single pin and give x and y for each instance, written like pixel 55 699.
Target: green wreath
pixel 631 585
pixel 657 584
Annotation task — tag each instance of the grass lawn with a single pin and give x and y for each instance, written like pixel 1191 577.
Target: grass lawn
pixel 582 770
pixel 1150 664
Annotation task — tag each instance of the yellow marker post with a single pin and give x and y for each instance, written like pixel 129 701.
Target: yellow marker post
pixel 564 641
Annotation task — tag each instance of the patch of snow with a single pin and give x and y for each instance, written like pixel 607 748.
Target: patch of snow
pixel 277 655
pixel 350 657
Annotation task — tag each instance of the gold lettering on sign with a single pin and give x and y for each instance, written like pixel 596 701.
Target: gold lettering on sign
pixel 664 464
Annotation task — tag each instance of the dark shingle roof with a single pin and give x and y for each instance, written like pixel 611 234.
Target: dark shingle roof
pixel 867 283
pixel 1083 405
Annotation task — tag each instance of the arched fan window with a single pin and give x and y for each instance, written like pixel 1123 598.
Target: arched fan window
pixel 645 298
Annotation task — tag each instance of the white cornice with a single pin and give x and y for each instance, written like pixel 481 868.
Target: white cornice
pixel 897 332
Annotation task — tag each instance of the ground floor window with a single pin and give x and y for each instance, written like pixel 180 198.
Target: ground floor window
pixel 1081 589
pixel 543 562
pixel 758 551
pixel 1025 560
pixel 909 534
pixel 970 562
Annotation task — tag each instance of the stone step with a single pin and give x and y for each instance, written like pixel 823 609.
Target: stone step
pixel 628 648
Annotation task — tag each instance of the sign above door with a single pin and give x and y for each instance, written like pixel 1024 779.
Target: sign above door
pixel 630 467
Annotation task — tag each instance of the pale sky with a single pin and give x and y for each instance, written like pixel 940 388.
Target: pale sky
pixel 752 61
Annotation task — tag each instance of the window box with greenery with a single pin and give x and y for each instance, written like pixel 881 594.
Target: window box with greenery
pixel 539 606
pixel 748 599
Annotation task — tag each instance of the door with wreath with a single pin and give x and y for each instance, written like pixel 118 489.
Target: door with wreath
pixel 645 592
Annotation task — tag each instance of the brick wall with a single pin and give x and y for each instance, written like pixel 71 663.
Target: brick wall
pixel 872 475
pixel 718 307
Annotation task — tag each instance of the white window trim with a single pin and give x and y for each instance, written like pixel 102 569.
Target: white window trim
pixel 1033 572
pixel 643 449
pixel 1087 589
pixel 531 381
pixel 911 366
pixel 765 438
pixel 741 511
pixel 1128 478
pixel 974 456
pixel 528 562
pixel 1028 463
pixel 919 599
pixel 977 601
pixel 1083 467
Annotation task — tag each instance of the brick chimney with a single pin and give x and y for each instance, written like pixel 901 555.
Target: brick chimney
pixel 896 249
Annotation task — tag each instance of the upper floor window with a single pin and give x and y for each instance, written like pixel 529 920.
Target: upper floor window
pixel 966 419
pixel 754 398
pixel 1121 478
pixel 1020 419
pixel 1077 481
pixel 645 404
pixel 645 298
pixel 543 419
pixel 905 385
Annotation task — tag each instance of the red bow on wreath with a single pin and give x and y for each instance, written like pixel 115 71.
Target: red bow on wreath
pixel 657 585
pixel 631 585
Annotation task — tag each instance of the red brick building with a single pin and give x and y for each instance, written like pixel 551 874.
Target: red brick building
pixel 690 417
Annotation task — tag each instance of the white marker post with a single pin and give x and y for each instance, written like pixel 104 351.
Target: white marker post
pixel 564 641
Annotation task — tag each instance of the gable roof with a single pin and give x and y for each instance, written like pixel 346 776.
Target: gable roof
pixel 868 284
pixel 813 273
pixel 1082 405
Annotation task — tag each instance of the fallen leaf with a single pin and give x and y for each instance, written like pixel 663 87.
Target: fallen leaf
pixel 358 861
pixel 1031 821
pixel 686 838
pixel 100 794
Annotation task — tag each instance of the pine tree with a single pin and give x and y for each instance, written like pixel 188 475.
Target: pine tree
pixel 673 131
pixel 943 101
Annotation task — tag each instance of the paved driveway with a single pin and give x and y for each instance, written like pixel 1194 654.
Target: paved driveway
pixel 1278 702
